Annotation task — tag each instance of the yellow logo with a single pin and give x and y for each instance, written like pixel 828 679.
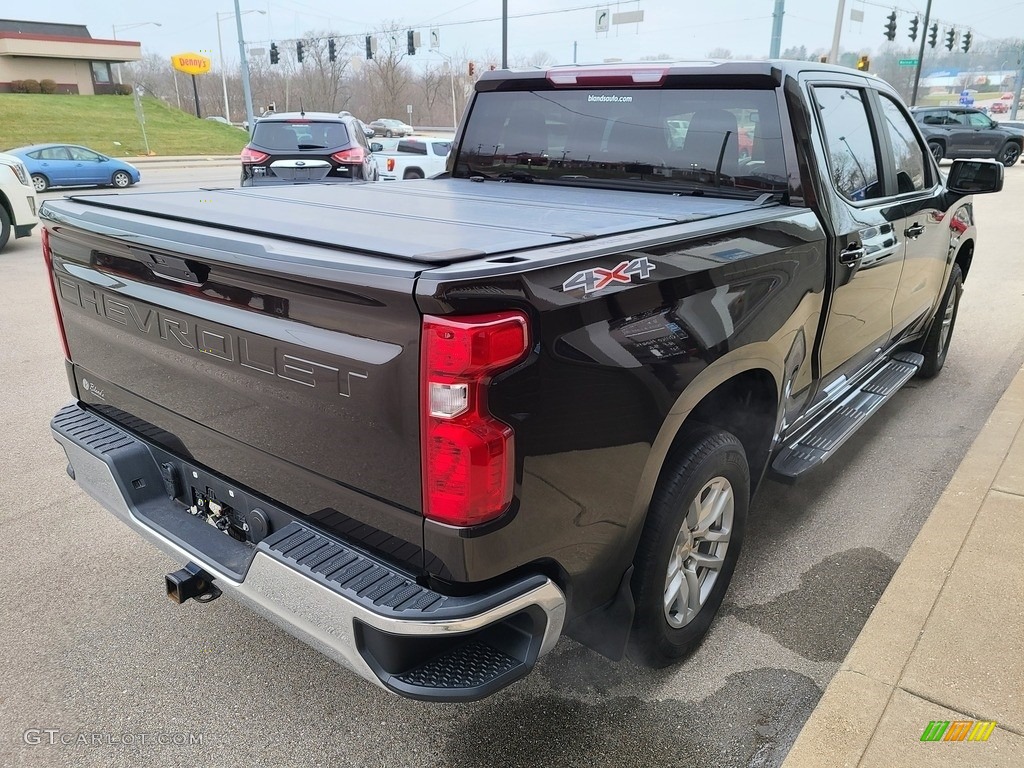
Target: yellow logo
pixel 191 63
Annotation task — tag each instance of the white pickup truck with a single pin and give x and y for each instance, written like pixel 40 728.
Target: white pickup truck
pixel 418 158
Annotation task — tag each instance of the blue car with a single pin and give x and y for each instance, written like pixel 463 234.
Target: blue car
pixel 68 165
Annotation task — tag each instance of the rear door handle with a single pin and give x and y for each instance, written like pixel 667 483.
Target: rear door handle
pixel 850 255
pixel 914 231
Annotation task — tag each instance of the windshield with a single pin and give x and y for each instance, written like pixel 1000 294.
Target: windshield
pixel 291 136
pixel 673 140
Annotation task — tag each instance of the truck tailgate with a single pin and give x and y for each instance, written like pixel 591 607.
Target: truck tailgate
pixel 292 370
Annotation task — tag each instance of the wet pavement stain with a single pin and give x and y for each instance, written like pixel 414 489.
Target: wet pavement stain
pixel 822 617
pixel 752 721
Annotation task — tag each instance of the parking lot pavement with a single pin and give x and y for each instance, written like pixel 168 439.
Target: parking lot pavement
pixel 95 655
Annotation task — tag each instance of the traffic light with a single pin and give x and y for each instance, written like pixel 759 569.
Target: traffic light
pixel 890 27
pixel 966 43
pixel 933 35
pixel 914 24
pixel 863 64
pixel 332 51
pixel 371 46
pixel 472 69
pixel 950 39
pixel 299 51
pixel 274 55
pixel 411 43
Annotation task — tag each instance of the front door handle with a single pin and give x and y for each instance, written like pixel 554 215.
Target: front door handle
pixel 914 231
pixel 850 255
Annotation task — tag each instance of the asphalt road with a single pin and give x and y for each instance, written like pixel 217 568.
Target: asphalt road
pixel 92 649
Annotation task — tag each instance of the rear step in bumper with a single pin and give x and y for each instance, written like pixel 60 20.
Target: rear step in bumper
pixel 352 607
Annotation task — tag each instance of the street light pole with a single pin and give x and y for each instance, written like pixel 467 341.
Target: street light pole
pixel 223 72
pixel 220 48
pixel 113 31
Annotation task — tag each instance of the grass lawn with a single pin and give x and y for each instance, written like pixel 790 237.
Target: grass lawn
pixel 108 124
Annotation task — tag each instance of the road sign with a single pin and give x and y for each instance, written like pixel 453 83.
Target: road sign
pixel 435 37
pixel 408 108
pixel 602 19
pixel 908 62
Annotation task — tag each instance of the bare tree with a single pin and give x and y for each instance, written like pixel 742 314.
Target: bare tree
pixel 387 74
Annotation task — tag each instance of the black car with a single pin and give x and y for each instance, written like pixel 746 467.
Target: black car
pixel 298 147
pixel 958 132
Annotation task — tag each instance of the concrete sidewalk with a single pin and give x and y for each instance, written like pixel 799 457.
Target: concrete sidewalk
pixel 946 640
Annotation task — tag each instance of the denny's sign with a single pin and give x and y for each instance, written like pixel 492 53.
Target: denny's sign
pixel 190 63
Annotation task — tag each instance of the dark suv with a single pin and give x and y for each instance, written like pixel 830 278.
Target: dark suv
pixel 297 147
pixel 959 132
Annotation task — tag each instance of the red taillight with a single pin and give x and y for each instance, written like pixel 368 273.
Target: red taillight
pixel 250 155
pixel 354 156
pixel 391 164
pixel 468 455
pixel 48 258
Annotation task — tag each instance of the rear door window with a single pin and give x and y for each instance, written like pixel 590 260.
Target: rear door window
pixel 850 142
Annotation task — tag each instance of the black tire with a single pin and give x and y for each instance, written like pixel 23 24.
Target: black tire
pixel 413 174
pixel 937 150
pixel 40 182
pixel 707 457
pixel 936 343
pixel 1009 154
pixel 121 179
pixel 5 227
pixel 388 134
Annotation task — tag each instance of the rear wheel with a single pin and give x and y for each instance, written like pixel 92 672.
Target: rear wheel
pixel 936 343
pixel 40 182
pixel 121 179
pixel 413 174
pixel 1009 154
pixel 937 150
pixel 689 547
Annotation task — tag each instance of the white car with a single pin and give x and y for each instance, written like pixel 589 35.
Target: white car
pixel 17 200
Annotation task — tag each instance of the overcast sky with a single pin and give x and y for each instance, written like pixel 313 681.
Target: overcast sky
pixel 680 28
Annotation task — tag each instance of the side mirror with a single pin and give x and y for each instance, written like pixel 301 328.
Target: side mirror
pixel 376 147
pixel 975 177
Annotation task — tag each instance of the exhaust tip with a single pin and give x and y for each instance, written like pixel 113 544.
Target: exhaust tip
pixel 191 582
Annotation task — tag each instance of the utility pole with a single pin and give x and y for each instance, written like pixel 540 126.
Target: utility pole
pixel 1017 85
pixel 777 14
pixel 920 53
pixel 245 69
pixel 833 57
pixel 574 44
pixel 504 33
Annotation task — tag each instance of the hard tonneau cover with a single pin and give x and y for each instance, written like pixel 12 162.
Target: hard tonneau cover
pixel 439 222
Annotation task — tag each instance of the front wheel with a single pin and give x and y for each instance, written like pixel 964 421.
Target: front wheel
pixel 388 134
pixel 1010 154
pixel 689 546
pixel 936 343
pixel 937 150
pixel 5 227
pixel 121 179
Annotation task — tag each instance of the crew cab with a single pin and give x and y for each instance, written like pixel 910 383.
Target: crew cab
pixel 411 158
pixel 431 427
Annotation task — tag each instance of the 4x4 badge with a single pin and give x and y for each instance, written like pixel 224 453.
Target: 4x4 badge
pixel 591 280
